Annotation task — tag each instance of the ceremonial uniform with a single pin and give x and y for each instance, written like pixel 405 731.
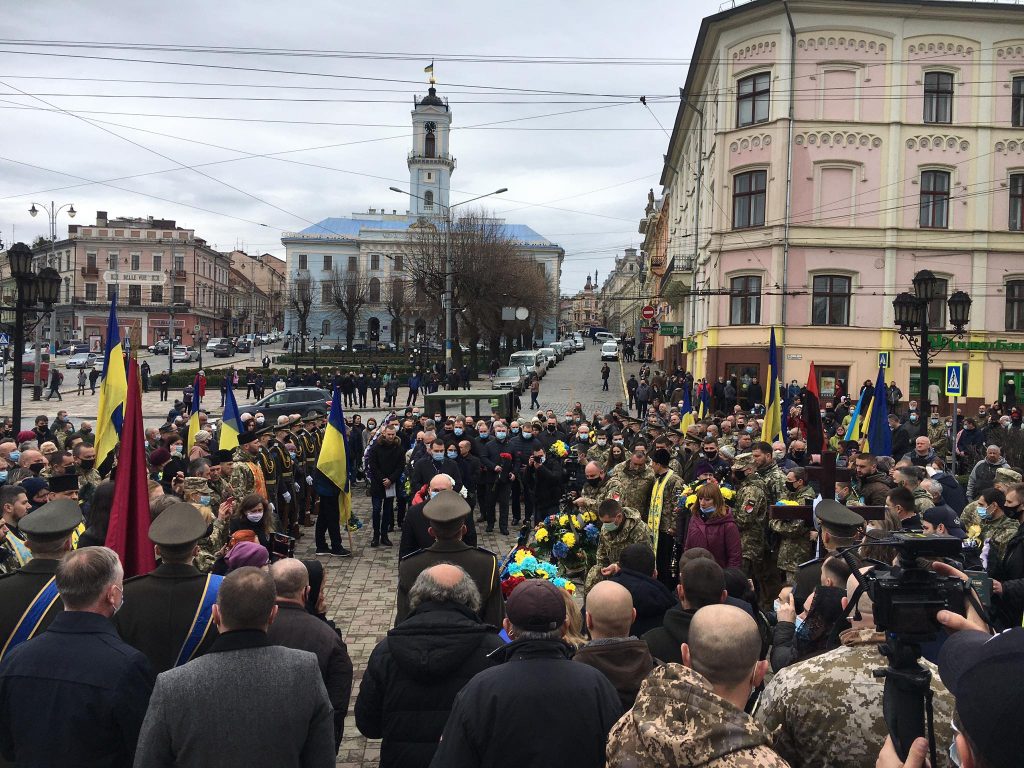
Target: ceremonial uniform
pixel 611 543
pixel 837 520
pixel 828 709
pixel 794 535
pixel 479 563
pixel 265 460
pixel 287 511
pixel 167 613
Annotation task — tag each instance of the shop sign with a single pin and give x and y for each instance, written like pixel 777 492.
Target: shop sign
pixel 999 345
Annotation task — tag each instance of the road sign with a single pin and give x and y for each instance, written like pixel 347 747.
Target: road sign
pixel 648 312
pixel 884 360
pixel 955 375
pixel 671 329
pixel 5 340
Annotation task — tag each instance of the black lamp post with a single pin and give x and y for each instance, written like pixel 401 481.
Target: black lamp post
pixel 32 289
pixel 911 314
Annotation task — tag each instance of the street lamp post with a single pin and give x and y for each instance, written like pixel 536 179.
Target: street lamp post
pixel 911 314
pixel 51 212
pixel 448 302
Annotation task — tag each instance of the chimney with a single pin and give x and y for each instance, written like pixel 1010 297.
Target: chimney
pixel 101 218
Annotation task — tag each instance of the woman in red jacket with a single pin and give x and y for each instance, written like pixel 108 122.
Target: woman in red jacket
pixel 713 528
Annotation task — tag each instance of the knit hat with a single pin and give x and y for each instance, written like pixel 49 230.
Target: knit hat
pixel 159 457
pixel 247 553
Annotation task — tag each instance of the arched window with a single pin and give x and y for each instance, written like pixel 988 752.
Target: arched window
pixel 373 328
pixel 374 291
pixel 429 144
pixel 428 199
pixel 325 328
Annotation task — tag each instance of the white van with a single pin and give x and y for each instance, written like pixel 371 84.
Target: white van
pixel 532 359
pixel 609 351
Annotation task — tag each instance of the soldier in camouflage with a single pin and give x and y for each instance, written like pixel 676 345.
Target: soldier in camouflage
pixel 635 479
pixel 997 528
pixel 197 491
pixel 774 478
pixel 938 435
pixel 599 450
pixel 598 487
pixel 620 527
pixel 85 465
pixel 750 509
pixel 911 478
pixel 827 710
pixel 688 718
pixel 795 544
pixel 246 474
pixel 1005 477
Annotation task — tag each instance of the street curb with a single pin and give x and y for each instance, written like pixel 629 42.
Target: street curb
pixel 622 375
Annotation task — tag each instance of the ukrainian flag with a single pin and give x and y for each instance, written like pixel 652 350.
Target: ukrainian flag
pixel 771 430
pixel 879 438
pixel 333 460
pixel 230 422
pixel 686 419
pixel 193 419
pixel 113 391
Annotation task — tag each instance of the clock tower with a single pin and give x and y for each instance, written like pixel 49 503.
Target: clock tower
pixel 430 161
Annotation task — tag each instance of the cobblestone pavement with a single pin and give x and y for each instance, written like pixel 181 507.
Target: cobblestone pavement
pixel 361 589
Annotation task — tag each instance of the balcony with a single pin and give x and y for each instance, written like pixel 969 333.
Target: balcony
pixel 92 271
pixel 445 161
pixel 178 274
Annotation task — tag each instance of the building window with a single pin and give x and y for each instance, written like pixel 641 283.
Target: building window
pixel 135 257
pixel 938 97
pixel 112 259
pixel 353 264
pixel 374 291
pixel 1017 202
pixel 428 200
pixel 831 304
pixel 1014 305
pixel 90 262
pixel 937 306
pixel 135 295
pixel 179 262
pixel 179 294
pixel 935 199
pixel 325 328
pixel 745 300
pixel 752 99
pixel 111 292
pixel 90 291
pixel 158 261
pixel 748 199
pixel 156 294
pixel 829 379
pixel 1017 118
pixel 399 261
pixel 328 262
pixel 302 261
pixel 375 261
pixel 327 293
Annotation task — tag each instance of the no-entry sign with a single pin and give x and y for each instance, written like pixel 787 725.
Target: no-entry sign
pixel 648 312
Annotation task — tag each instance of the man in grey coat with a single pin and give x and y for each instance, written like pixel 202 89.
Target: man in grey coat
pixel 245 702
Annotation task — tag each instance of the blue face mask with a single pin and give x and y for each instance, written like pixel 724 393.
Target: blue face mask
pixel 500 435
pixel 14 455
pixel 452 454
pixel 434 493
pixel 438 456
pixel 3 475
pixel 458 430
pixel 483 435
pixel 527 435
pixel 204 501
pixel 515 430
pixel 983 513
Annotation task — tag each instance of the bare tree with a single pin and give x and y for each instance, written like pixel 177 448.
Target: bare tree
pixel 349 292
pixel 300 299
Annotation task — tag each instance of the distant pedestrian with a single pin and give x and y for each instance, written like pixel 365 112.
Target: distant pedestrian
pixel 224 388
pixel 82 379
pixel 165 383
pixel 414 388
pixel 266 361
pixel 144 371
pixel 56 377
pixel 534 392
pixel 605 373
pixel 94 376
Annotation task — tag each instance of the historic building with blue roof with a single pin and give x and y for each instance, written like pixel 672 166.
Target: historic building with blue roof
pixel 375 246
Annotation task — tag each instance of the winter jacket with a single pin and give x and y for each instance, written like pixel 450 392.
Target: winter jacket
pixel 983 476
pixel 416 534
pixel 901 442
pixel 425 469
pixel 413 677
pixel 495 717
pixel 664 641
pixel 547 482
pixel 651 599
pixel 952 492
pixel 470 469
pixel 874 488
pixel 385 461
pixel 719 535
pixel 678 721
pixel 918 460
pixel 1009 607
pixel 625 661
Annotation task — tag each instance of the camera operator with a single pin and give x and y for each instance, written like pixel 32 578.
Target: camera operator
pixel 829 707
pixel 546 480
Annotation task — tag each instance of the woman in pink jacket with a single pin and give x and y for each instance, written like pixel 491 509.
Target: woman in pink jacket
pixel 713 528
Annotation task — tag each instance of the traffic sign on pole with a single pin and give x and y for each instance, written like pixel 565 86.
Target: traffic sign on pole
pixel 648 312
pixel 954 379
pixel 884 360
pixel 5 340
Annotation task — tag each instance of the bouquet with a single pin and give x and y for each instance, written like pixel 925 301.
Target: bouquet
pixel 688 496
pixel 559 448
pixel 568 539
pixel 524 565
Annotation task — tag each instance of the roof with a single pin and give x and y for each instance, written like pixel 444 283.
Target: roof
pixel 353 228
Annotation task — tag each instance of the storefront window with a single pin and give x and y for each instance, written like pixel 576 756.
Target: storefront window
pixel 829 379
pixel 743 374
pixel 936 375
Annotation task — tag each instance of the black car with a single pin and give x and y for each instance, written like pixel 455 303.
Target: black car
pixel 302 400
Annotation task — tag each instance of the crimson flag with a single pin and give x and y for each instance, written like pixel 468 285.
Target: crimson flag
pixel 128 530
pixel 812 414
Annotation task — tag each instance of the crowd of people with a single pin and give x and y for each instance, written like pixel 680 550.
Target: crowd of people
pixel 701 626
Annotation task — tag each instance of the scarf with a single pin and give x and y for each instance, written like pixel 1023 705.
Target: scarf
pixel 657 497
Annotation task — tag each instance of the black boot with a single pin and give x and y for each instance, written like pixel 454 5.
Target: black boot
pixel 385 540
pixel 375 541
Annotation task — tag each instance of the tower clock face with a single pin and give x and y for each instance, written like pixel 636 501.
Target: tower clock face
pixel 430 127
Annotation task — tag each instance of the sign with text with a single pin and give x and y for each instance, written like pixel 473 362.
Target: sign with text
pixel 671 329
pixel 135 278
pixel 648 312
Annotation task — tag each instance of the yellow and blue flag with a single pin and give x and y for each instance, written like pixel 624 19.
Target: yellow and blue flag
pixel 686 419
pixel 859 417
pixel 230 422
pixel 879 437
pixel 193 419
pixel 113 390
pixel 771 430
pixel 333 460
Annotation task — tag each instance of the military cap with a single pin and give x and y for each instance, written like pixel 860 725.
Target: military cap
pixel 743 461
pixel 727 451
pixel 839 519
pixel 288 423
pixel 690 438
pixel 63 483
pixel 445 507
pixel 1007 475
pixel 247 436
pixel 178 525
pixel 310 419
pixel 197 484
pixel 52 521
pixel 222 456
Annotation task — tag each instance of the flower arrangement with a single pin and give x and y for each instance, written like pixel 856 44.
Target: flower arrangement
pixel 568 540
pixel 786 503
pixel 525 565
pixel 559 448
pixel 688 496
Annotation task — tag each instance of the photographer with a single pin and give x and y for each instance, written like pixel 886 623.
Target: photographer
pixel 545 478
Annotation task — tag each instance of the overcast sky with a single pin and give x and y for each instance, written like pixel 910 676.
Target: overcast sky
pixel 581 181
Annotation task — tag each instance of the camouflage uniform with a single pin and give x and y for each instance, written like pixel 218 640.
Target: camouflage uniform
pixel 750 509
pixel 593 496
pixel 244 480
pixel 922 500
pixel 678 720
pixel 669 499
pixel 632 531
pixel 998 533
pixel 774 480
pixel 599 454
pixel 969 516
pixel 211 546
pixel 794 542
pixel 828 709
pixel 939 437
pixel 87 482
pixel 634 486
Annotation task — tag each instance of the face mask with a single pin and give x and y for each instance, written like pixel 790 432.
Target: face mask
pixel 777 455
pixel 370 425
pixel 602 443
pixel 119 605
pixel 609 527
pixel 582 435
pixel 790 486
pixel 260 419
pixel 483 435
pixel 799 455
pixel 934 421
pixel 434 493
pixel 738 477
pixel 292 454
pixel 3 475
pixel 594 481
pixel 913 418
pixel 88 464
pixel 255 516
pixel 619 442
pixel 500 435
pixel 37 467
pixel 204 501
pixel 438 456
pixel 983 513
pixel 515 430
pixel 452 454
pixel 705 512
pixel 749 430
pixel 14 455
pixel 551 427
pixel 458 430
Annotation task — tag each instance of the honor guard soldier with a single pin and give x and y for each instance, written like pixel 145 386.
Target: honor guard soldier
pixel 447 515
pixel 271 474
pixel 288 511
pixel 246 472
pixel 309 448
pixel 168 613
pixel 28 596
pixel 840 527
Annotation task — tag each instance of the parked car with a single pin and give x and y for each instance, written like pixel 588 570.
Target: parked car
pixel 609 351
pixel 604 336
pixel 185 354
pixel 578 342
pixel 219 347
pixel 160 348
pixel 243 345
pixel 86 360
pixel 550 355
pixel 28 365
pixel 304 400
pixel 560 350
pixel 73 348
pixel 532 359
pixel 511 377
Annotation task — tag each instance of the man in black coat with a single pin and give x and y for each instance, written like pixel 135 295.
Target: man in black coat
pixel 538 677
pixel 901 442
pixel 701 582
pixel 470 468
pixel 651 598
pixel 546 478
pixel 81 668
pixel 385 463
pixel 415 673
pixel 295 627
pixel 437 463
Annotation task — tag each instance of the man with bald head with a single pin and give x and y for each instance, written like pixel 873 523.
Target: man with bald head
pixel 696 708
pixel 624 659
pixel 598 487
pixel 297 627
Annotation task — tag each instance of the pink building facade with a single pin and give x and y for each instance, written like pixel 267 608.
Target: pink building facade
pixel 905 151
